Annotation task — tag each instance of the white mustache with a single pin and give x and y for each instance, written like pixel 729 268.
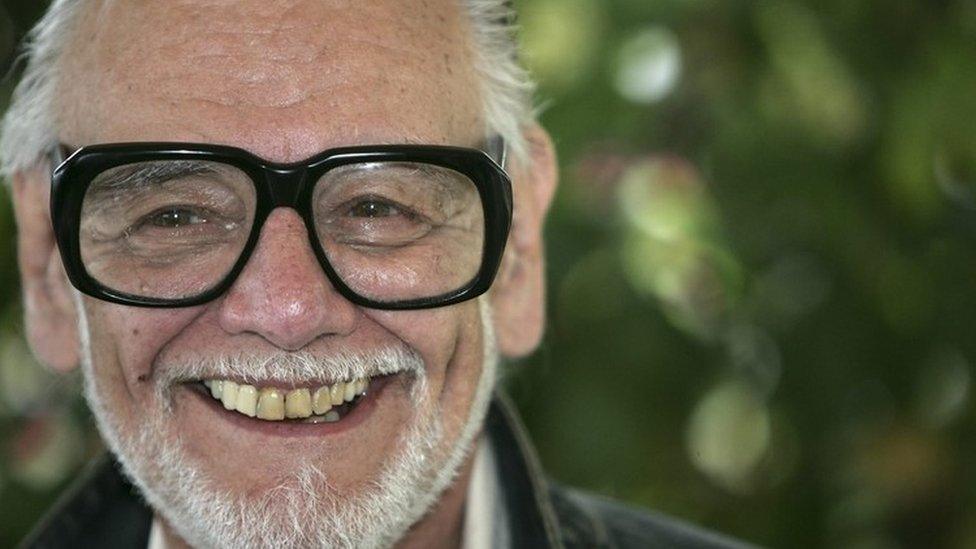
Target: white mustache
pixel 297 368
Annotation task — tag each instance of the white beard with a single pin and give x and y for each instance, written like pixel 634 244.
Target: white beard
pixel 304 509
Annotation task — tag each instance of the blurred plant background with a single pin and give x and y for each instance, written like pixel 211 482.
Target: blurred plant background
pixel 762 272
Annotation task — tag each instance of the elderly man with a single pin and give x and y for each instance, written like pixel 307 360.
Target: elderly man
pixel 279 240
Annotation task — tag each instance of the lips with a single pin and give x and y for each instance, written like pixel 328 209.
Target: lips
pixel 283 394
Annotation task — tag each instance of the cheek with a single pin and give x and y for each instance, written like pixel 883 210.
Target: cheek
pixel 451 342
pixel 443 336
pixel 126 340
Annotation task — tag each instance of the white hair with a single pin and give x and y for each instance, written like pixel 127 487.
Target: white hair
pixel 30 126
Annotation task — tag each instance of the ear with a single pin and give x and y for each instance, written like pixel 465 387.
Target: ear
pixel 518 295
pixel 49 311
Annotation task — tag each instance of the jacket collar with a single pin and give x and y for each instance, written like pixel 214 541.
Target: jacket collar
pixel 525 493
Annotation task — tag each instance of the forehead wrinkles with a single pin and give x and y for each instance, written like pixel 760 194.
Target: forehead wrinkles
pixel 274 54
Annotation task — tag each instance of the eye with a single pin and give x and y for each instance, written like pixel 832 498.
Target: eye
pixel 374 208
pixel 172 218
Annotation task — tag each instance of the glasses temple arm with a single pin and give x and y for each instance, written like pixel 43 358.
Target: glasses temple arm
pixel 497 150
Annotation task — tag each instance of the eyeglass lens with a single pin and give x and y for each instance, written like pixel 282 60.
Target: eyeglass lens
pixel 175 229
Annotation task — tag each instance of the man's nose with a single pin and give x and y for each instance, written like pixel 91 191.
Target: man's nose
pixel 283 294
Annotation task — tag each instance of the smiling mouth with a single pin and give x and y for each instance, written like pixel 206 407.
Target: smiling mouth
pixel 315 404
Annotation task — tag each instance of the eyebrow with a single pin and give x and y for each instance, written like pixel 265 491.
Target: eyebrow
pixel 152 174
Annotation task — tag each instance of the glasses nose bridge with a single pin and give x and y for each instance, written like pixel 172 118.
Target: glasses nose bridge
pixel 285 184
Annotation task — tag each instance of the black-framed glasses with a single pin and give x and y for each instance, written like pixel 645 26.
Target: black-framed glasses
pixel 173 224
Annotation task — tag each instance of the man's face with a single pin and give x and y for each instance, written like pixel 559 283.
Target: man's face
pixel 284 80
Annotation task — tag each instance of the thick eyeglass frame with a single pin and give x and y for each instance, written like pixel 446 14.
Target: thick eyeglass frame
pixel 278 185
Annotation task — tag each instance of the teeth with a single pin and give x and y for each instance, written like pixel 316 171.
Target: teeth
pixel 338 393
pixel 247 400
pixel 271 404
pixel 298 404
pixel 228 394
pixel 322 400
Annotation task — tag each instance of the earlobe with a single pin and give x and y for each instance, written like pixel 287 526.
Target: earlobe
pixel 49 311
pixel 518 296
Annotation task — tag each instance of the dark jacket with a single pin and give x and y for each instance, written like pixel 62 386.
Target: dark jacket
pixel 102 509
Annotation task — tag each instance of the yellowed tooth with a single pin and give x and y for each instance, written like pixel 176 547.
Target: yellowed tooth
pixel 228 394
pixel 361 387
pixel 271 404
pixel 298 404
pixel 215 388
pixel 247 400
pixel 338 393
pixel 322 400
pixel 350 392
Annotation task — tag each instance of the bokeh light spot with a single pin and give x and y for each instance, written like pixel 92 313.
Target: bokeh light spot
pixel 22 379
pixel 665 197
pixel 673 250
pixel 755 356
pixel 46 449
pixel 550 29
pixel 648 65
pixel 944 384
pixel 729 434
pixel 810 84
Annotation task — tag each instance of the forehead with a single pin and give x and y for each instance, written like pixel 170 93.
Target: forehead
pixel 284 79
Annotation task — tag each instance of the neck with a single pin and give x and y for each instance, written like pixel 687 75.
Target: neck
pixel 441 528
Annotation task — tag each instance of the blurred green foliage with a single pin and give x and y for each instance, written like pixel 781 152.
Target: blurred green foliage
pixel 761 272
